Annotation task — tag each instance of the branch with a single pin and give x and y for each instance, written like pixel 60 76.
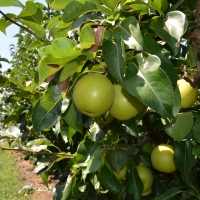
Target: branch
pixel 23 27
pixel 44 153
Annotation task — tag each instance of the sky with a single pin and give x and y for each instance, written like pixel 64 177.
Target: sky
pixel 8 39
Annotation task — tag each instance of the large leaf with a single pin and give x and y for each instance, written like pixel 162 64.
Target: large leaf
pixel 148 84
pixel 169 193
pixel 75 8
pixel 86 150
pixel 87 37
pixel 171 30
pixel 159 5
pixel 112 53
pixel 111 4
pixel 94 162
pixel 35 27
pixel 108 180
pixel 183 159
pixel 117 159
pixel 152 47
pixel 134 184
pixel 60 4
pixel 47 109
pixel 70 68
pixel 131 34
pixel 70 116
pixel 181 126
pixel 6 3
pixel 31 12
pixel 61 48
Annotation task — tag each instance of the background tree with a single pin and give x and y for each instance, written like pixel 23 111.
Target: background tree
pixel 145 47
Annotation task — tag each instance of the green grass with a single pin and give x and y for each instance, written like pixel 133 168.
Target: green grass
pixel 10 178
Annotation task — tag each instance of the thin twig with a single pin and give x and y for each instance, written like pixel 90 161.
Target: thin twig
pixel 23 27
pixel 37 152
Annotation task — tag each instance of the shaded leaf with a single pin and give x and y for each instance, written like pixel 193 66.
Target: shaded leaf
pixel 47 109
pixel 149 83
pixel 117 159
pixel 169 193
pixel 86 149
pixel 134 184
pixel 196 128
pixel 113 56
pixel 70 116
pixel 108 180
pixel 181 126
pixel 183 159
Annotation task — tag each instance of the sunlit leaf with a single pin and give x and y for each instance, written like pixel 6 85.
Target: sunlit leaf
pixel 75 8
pixel 172 29
pixel 6 3
pixel 159 5
pixel 149 83
pixel 131 34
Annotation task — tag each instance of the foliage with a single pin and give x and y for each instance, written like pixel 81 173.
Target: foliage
pixel 145 46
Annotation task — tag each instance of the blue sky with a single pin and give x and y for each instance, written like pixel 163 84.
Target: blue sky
pixel 6 40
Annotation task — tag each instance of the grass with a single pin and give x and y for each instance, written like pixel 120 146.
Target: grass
pixel 10 178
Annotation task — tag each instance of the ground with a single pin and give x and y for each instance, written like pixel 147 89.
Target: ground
pixel 39 191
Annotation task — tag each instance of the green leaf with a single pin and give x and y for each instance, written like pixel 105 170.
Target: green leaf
pixel 183 159
pixel 61 48
pixel 4 81
pixel 108 180
pixel 35 27
pixel 70 68
pixel 171 30
pixel 196 128
pixel 75 9
pixel 60 4
pixel 181 126
pixel 31 13
pixel 112 53
pixel 111 4
pixel 134 184
pixel 6 3
pixel 152 47
pixel 117 159
pixel 86 149
pixel 70 116
pixel 169 193
pixel 87 37
pixel 149 83
pixel 160 5
pixel 131 34
pixel 68 188
pixel 44 176
pixel 47 109
pixel 45 70
pixel 93 163
pixel 3 25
